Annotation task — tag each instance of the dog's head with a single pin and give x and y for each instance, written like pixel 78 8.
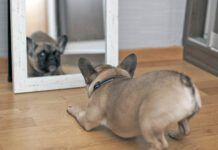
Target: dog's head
pixel 93 75
pixel 45 57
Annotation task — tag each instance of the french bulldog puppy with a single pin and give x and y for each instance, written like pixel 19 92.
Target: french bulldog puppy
pixel 130 107
pixel 44 54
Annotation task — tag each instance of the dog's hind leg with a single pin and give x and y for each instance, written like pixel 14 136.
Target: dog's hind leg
pixel 154 137
pixel 163 140
pixel 183 130
pixel 89 118
pixel 156 142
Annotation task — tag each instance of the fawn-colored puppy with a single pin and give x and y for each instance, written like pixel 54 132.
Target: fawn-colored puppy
pixel 44 54
pixel 129 106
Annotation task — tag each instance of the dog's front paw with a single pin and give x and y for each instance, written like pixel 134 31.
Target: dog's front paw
pixel 73 110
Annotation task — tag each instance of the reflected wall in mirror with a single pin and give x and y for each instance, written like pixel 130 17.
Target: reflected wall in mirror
pixel 59 32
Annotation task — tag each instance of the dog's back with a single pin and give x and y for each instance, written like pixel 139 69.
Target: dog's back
pixel 155 100
pixel 170 98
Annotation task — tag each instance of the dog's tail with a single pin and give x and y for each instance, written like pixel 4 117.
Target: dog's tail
pixel 186 81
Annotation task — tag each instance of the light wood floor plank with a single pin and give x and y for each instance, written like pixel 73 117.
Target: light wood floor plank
pixel 38 121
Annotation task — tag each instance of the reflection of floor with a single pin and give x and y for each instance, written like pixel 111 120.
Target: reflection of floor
pixel 67 69
pixel 70 62
pixel 39 120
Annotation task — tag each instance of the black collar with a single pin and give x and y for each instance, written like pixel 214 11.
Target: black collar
pixel 100 83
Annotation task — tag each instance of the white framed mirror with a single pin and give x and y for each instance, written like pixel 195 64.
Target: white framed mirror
pixel 49 36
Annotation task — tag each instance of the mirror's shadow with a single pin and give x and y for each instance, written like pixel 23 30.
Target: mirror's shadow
pixel 59 32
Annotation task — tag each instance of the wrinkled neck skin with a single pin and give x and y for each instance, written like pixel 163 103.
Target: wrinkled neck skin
pixel 114 72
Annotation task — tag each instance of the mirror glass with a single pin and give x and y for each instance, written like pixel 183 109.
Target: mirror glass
pixel 59 32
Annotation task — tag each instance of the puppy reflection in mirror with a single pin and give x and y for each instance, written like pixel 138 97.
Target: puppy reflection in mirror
pixel 44 54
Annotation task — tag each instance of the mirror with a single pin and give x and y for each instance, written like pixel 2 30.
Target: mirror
pixel 91 30
pixel 59 32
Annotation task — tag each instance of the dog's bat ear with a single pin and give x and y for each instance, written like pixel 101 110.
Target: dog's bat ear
pixel 62 42
pixel 31 45
pixel 88 71
pixel 129 64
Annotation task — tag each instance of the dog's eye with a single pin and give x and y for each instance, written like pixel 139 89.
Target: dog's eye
pixel 42 54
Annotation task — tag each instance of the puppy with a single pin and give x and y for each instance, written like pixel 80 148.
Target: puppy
pixel 130 107
pixel 44 54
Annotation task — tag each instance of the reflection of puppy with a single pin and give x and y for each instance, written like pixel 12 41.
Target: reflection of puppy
pixel 44 54
pixel 146 105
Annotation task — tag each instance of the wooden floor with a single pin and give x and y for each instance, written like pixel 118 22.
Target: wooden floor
pixel 38 121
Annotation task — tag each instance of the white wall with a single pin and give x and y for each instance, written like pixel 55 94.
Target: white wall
pixel 143 23
pixel 3 28
pixel 84 19
pixel 151 23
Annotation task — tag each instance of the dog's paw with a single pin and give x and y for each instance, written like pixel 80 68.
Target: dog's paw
pixel 73 110
pixel 175 135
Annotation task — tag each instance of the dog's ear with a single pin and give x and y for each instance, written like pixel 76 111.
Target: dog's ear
pixel 88 71
pixel 31 45
pixel 62 42
pixel 129 64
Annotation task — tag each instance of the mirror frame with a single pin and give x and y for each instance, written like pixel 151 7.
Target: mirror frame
pixel 22 83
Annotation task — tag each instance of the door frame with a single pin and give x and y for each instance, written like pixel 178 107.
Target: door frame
pixel 196 52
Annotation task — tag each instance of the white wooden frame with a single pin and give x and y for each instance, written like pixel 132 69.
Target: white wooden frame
pixel 22 83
